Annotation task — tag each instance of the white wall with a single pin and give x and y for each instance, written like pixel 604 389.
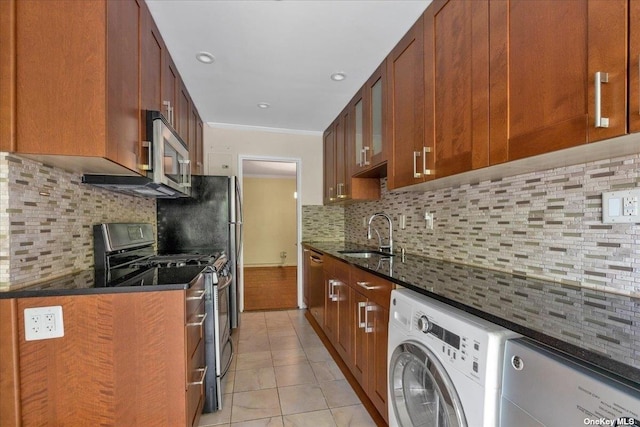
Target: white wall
pixel 222 147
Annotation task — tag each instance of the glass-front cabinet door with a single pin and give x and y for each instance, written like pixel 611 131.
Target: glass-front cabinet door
pixel 422 393
pixel 368 118
pixel 375 88
pixel 376 118
pixel 357 137
pixel 359 132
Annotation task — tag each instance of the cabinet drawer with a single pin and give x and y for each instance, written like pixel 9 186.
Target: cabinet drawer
pixel 194 296
pixel 195 329
pixel 336 269
pixel 195 384
pixel 373 287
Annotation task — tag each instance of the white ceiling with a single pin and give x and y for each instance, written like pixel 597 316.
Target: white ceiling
pixel 279 52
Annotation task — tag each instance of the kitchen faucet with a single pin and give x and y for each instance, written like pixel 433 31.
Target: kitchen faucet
pixel 381 247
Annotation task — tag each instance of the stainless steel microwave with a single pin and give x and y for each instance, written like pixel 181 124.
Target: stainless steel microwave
pixel 166 162
pixel 168 156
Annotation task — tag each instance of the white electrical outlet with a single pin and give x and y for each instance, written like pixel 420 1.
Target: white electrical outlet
pixel 42 323
pixel 630 206
pixel 620 206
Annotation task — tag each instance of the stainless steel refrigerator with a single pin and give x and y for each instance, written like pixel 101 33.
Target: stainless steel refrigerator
pixel 209 221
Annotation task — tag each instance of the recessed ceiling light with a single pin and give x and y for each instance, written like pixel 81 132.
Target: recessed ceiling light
pixel 264 105
pixel 205 57
pixel 338 77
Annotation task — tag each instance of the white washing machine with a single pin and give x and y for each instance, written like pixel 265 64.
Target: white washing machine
pixel 444 365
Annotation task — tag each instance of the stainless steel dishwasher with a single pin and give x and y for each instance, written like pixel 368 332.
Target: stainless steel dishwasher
pixel 542 387
pixel 315 263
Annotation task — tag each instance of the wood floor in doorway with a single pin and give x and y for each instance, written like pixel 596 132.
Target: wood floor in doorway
pixel 270 288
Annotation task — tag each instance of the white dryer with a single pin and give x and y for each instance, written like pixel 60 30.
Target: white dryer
pixel 444 365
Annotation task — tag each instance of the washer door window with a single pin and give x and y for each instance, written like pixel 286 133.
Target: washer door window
pixel 422 392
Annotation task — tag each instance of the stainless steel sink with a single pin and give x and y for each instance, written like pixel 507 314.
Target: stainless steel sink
pixel 363 253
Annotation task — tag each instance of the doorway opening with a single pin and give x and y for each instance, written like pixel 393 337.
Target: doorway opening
pixel 269 261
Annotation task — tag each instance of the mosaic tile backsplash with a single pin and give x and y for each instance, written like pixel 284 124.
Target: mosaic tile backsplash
pixel 322 223
pixel 545 224
pixel 46 219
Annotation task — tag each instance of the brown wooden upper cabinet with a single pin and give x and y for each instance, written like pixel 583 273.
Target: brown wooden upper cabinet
pixel 634 66
pixel 405 123
pixel 368 148
pixel 195 141
pixel 151 61
pixel 77 90
pixel 183 112
pixel 558 74
pixel 339 184
pixel 456 71
pixel 200 144
pixel 479 83
pixel 163 90
pixel 343 181
pixel 357 140
pixel 170 89
pixel 90 99
pixel 337 180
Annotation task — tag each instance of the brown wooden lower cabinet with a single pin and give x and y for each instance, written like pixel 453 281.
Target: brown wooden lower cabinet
pixel 356 321
pixel 125 359
pixel 371 305
pixel 9 365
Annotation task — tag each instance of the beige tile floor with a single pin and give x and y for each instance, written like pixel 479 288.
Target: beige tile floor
pixel 282 375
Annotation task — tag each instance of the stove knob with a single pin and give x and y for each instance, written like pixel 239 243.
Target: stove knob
pixel 423 324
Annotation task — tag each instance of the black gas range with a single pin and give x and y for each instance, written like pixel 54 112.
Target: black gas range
pixel 125 255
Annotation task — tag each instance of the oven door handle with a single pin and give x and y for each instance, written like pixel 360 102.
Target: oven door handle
pixel 222 285
pixel 199 296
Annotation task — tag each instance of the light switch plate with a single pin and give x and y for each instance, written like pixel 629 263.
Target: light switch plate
pixel 620 207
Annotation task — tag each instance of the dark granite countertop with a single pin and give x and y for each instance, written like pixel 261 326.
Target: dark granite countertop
pixel 84 283
pixel 598 327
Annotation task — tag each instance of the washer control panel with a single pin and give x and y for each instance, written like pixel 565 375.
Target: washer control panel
pixel 454 347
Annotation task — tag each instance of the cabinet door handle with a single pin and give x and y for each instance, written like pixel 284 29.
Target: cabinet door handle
pixel 361 324
pixel 197 296
pixel 425 150
pixel 200 323
pixel 366 285
pixel 366 162
pixel 367 329
pixel 316 259
pixel 600 78
pixel 168 105
pixel 332 293
pixel 361 162
pixel 341 193
pixel 203 374
pixel 416 174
